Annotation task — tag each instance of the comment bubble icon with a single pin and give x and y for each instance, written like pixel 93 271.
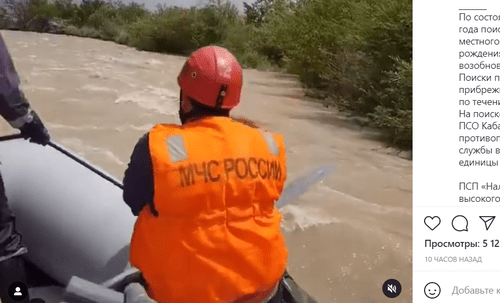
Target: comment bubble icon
pixel 460 223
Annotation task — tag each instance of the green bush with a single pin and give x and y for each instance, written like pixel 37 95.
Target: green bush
pixel 348 51
pixel 85 10
pixel 66 9
pixel 104 14
pixel 181 31
pixel 397 124
pixel 217 17
pixel 5 20
pixel 83 31
pixel 322 28
pixel 395 115
pixel 131 12
pixel 174 31
pixel 239 41
pixel 123 36
pixel 389 42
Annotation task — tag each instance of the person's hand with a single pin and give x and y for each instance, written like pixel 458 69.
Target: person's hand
pixel 135 293
pixel 35 131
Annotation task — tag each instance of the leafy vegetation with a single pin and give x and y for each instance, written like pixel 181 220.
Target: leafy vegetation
pixel 355 54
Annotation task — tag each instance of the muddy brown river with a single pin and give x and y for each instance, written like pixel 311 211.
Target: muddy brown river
pixel 346 235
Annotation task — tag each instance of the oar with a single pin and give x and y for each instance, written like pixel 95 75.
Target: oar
pixel 299 186
pixel 111 291
pixel 11 137
pixel 83 291
pixel 120 281
pixel 84 163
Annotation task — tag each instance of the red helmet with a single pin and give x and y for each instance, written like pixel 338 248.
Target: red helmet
pixel 213 77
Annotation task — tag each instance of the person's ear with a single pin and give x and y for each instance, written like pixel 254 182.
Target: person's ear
pixel 186 105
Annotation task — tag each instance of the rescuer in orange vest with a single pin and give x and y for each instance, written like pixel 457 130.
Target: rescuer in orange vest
pixel 204 192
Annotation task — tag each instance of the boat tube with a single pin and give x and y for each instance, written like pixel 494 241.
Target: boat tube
pixel 71 214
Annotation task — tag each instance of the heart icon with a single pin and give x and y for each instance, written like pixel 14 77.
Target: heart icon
pixel 432 222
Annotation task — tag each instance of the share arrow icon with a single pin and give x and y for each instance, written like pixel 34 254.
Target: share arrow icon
pixel 488 220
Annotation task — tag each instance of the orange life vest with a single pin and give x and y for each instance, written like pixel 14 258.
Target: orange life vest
pixel 217 236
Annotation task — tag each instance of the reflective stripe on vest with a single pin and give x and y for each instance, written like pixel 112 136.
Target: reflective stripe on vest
pixel 176 148
pixel 217 237
pixel 271 143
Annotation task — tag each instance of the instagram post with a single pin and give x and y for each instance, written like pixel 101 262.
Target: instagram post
pixel 233 151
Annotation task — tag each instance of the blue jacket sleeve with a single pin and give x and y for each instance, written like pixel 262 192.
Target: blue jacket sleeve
pixel 138 182
pixel 14 107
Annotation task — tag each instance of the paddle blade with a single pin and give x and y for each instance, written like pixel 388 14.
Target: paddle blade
pixel 299 186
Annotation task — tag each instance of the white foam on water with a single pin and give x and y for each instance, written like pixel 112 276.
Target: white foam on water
pixel 123 77
pixel 297 217
pixel 50 89
pixel 126 127
pixel 108 154
pixel 84 150
pixel 365 205
pixel 44 74
pixel 158 99
pixel 70 100
pixel 61 69
pixel 78 128
pixel 55 66
pixel 104 58
pixel 94 88
pixel 153 62
pixel 114 60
